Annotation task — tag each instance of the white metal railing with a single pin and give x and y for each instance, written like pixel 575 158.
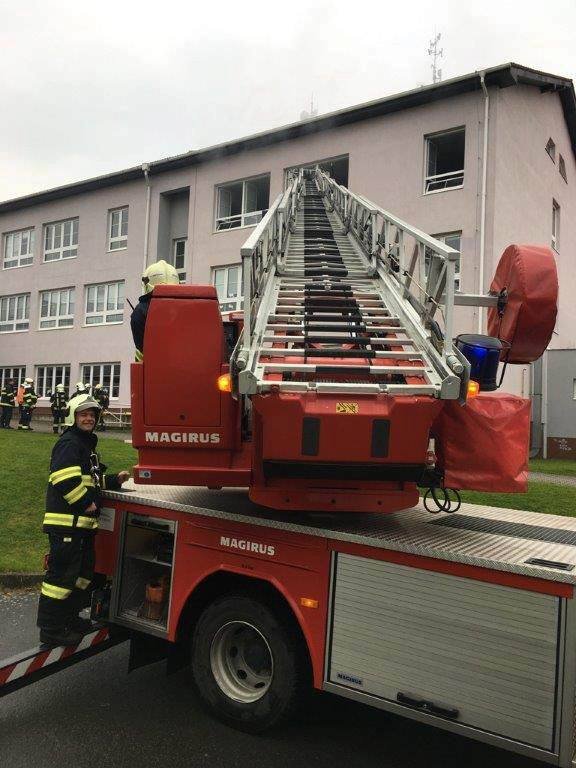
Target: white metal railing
pixel 261 255
pixel 419 268
pixel 249 219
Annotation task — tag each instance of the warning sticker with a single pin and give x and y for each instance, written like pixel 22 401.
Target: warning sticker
pixel 346 407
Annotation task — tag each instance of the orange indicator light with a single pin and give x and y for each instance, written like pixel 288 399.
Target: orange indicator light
pixel 308 602
pixel 473 388
pixel 224 383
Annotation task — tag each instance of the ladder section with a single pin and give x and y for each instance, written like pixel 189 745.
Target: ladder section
pixel 329 328
pixel 323 315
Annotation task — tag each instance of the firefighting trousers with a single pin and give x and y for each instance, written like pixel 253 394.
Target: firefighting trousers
pixel 58 419
pixel 25 417
pixel 66 586
pixel 5 415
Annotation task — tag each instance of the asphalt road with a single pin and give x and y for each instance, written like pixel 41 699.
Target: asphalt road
pixel 95 715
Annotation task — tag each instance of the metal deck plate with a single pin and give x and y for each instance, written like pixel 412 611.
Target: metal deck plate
pixel 414 531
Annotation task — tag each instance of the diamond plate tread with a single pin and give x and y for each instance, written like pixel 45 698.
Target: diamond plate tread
pixel 412 530
pixel 503 528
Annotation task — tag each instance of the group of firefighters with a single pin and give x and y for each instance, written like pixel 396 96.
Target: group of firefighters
pixel 26 399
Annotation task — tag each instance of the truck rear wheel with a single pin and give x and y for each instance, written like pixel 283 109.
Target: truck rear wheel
pixel 247 665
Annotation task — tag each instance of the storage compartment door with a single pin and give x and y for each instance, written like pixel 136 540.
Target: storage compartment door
pixel 484 651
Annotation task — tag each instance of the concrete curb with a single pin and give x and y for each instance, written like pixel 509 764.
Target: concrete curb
pixel 12 580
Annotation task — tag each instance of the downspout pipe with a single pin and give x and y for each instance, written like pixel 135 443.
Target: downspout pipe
pixel 146 172
pixel 483 201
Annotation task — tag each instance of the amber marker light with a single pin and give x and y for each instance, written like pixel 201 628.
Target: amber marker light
pixel 473 388
pixel 308 602
pixel 224 383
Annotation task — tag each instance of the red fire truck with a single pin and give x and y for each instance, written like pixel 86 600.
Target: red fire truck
pixel 334 399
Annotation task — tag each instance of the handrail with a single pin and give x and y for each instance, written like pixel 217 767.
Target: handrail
pixel 262 254
pixel 425 278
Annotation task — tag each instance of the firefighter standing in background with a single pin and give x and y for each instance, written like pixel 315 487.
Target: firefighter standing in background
pixel 160 273
pixel 7 403
pixel 29 400
pixel 71 521
pixel 81 389
pixel 58 406
pixel 102 397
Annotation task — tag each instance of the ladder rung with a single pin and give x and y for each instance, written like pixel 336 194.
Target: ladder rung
pixel 373 370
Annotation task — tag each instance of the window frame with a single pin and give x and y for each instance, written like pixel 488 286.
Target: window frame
pixel 105 311
pixel 74 230
pixel 53 368
pixel 244 213
pixel 112 387
pixel 29 255
pixel 58 317
pixel 119 238
pixel 16 320
pixel 181 270
pixel 427 178
pixel 458 263
pixel 555 239
pixel 237 300
pixel 18 377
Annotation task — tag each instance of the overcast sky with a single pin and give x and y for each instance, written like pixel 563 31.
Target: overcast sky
pixel 93 87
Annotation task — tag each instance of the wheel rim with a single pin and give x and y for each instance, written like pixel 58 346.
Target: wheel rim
pixel 241 661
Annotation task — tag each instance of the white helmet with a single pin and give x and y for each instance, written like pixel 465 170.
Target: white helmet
pixel 28 381
pixel 81 387
pixel 59 387
pixel 78 404
pixel 160 273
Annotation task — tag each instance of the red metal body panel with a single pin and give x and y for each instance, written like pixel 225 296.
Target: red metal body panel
pixel 296 564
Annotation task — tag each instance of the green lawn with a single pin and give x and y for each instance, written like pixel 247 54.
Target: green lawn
pixel 24 463
pixel 554 466
pixel 24 459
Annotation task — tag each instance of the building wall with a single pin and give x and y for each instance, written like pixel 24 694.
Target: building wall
pixel 386 164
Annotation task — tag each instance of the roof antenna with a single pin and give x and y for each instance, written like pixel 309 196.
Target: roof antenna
pixel 436 54
pixel 305 115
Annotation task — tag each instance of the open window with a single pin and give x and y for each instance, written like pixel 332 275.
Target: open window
pixel 242 203
pixel 444 160
pixel 337 167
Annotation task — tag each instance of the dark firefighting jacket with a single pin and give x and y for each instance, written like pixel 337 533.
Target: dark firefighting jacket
pixel 58 402
pixel 7 396
pixel 75 480
pixel 29 399
pixel 102 398
pixel 138 324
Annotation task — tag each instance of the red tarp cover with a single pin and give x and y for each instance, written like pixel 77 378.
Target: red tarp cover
pixel 528 273
pixel 483 445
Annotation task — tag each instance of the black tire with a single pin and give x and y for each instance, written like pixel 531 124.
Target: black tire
pixel 248 664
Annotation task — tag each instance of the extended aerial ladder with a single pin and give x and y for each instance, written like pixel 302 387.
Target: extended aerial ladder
pixel 340 296
pixel 343 364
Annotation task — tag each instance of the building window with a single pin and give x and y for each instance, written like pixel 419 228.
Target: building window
pixel 444 160
pixel 105 374
pixel 48 376
pixel 14 313
pixel 18 249
pixel 228 284
pixel 61 240
pixel 562 168
pixel 178 258
pixel 243 203
pixel 57 308
pixel 104 303
pixel 17 373
pixel 451 239
pixel 118 229
pixel 555 226
pixel 551 149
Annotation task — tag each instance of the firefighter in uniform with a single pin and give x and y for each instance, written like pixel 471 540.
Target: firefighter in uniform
pixel 58 407
pixel 29 400
pixel 102 397
pixel 7 403
pixel 81 389
pixel 160 273
pixel 71 520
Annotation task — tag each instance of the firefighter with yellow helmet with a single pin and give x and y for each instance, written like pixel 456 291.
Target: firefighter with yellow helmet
pixel 160 273
pixel 71 521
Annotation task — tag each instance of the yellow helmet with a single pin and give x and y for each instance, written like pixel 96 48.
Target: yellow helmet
pixel 160 273
pixel 81 403
pixel 59 387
